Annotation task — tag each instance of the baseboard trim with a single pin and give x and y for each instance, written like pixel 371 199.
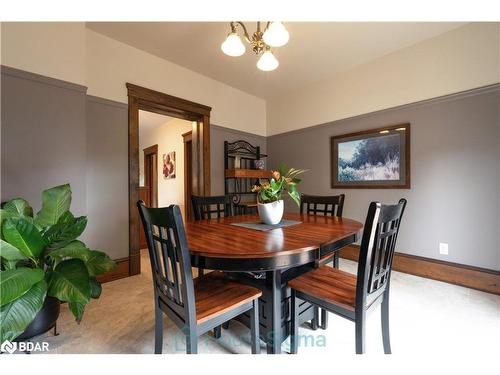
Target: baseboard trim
pixel 477 278
pixel 121 271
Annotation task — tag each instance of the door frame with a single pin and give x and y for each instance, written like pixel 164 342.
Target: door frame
pixel 151 150
pixel 141 98
pixel 187 138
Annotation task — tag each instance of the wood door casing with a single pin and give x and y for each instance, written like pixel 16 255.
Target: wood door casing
pixel 144 195
pixel 151 174
pixel 141 98
pixel 188 174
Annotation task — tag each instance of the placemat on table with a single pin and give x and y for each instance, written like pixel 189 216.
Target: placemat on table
pixel 257 225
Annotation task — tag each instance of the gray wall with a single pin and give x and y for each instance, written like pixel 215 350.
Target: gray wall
pixel 455 174
pixel 43 137
pixel 218 135
pixel 53 133
pixel 107 176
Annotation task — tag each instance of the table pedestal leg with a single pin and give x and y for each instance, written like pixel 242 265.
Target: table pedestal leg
pixel 273 278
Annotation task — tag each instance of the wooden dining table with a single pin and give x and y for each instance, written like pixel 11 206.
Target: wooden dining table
pixel 268 259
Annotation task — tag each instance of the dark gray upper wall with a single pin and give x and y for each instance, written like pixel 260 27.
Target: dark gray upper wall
pixel 107 176
pixel 218 135
pixel 455 174
pixel 43 137
pixel 53 133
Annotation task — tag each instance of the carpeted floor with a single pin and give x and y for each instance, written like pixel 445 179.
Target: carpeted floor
pixel 427 317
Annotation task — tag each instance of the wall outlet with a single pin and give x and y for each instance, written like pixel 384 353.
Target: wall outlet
pixel 443 248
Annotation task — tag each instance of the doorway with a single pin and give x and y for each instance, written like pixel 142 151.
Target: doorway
pixel 141 98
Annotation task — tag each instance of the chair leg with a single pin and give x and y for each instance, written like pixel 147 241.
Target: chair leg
pixel 385 324
pixel 191 342
pixel 360 332
pixel 324 319
pixel 218 332
pixel 336 260
pixel 158 331
pixel 315 322
pixel 294 337
pixel 254 327
pixel 200 272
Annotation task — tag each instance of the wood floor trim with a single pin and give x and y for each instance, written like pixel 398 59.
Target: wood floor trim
pixel 454 273
pixel 121 271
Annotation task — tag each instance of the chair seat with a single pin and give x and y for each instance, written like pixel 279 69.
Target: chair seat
pixel 215 294
pixel 328 284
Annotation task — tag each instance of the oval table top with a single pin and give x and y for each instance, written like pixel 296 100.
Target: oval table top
pixel 216 244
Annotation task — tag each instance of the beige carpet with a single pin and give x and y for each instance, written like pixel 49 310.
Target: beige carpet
pixel 427 317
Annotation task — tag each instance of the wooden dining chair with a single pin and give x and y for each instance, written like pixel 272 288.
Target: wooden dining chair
pixel 196 306
pixel 205 207
pixel 211 207
pixel 331 205
pixel 352 296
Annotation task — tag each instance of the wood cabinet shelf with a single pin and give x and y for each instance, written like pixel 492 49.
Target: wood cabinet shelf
pixel 247 173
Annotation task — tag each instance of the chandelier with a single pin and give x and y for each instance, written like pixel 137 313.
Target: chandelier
pixel 274 35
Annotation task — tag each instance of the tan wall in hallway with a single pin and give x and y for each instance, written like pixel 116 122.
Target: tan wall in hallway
pixel 168 137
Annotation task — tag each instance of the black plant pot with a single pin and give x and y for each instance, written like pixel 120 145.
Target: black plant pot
pixel 44 320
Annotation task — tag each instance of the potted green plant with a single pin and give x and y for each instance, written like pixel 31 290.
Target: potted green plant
pixel 43 264
pixel 269 194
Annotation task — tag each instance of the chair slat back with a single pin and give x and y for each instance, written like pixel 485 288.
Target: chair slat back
pixel 211 207
pixel 377 247
pixel 327 205
pixel 170 259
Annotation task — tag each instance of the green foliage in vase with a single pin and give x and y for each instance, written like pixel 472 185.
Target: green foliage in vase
pixel 40 256
pixel 283 180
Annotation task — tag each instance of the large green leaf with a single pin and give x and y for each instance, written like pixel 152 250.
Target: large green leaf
pixel 9 252
pixel 14 283
pixel 70 281
pixel 62 233
pixel 18 314
pixel 23 235
pixel 8 264
pixel 4 215
pixel 55 202
pixel 77 309
pixel 19 206
pixel 99 263
pixel 294 194
pixel 66 217
pixel 75 249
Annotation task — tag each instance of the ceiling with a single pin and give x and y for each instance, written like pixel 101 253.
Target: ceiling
pixel 316 50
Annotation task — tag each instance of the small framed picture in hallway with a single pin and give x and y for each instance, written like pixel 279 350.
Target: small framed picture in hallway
pixel 169 165
pixel 376 158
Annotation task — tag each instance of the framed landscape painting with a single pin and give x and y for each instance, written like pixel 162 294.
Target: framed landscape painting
pixel 377 158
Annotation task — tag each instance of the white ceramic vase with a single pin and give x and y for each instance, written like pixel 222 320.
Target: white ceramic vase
pixel 271 213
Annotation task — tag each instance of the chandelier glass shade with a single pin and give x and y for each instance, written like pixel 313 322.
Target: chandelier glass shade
pixel 267 62
pixel 233 46
pixel 274 35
